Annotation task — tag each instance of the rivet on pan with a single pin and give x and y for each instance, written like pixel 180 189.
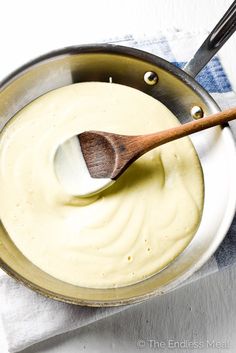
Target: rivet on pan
pixel 196 112
pixel 150 78
pixel 110 79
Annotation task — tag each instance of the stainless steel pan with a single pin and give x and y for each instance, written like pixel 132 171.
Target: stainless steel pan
pixel 178 90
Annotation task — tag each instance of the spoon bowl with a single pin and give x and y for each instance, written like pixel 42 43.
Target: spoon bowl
pixel 72 172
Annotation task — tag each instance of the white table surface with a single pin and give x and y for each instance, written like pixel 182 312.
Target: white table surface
pixel 204 311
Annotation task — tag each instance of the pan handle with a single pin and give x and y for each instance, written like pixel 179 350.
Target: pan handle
pixel 220 34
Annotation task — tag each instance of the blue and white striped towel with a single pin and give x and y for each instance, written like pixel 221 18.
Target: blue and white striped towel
pixel 26 317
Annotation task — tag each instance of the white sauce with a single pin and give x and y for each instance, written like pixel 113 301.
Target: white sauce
pixel 124 234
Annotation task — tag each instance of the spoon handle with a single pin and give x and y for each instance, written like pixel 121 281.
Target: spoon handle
pixel 148 142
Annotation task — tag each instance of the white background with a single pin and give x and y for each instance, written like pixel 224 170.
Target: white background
pixel 30 28
pixel 205 310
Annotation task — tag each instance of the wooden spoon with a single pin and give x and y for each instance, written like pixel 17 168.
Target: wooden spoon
pixel 91 161
pixel 108 155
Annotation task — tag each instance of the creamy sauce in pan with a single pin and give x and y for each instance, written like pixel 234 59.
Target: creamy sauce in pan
pixel 120 236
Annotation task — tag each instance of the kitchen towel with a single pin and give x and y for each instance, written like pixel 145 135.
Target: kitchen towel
pixel 26 317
